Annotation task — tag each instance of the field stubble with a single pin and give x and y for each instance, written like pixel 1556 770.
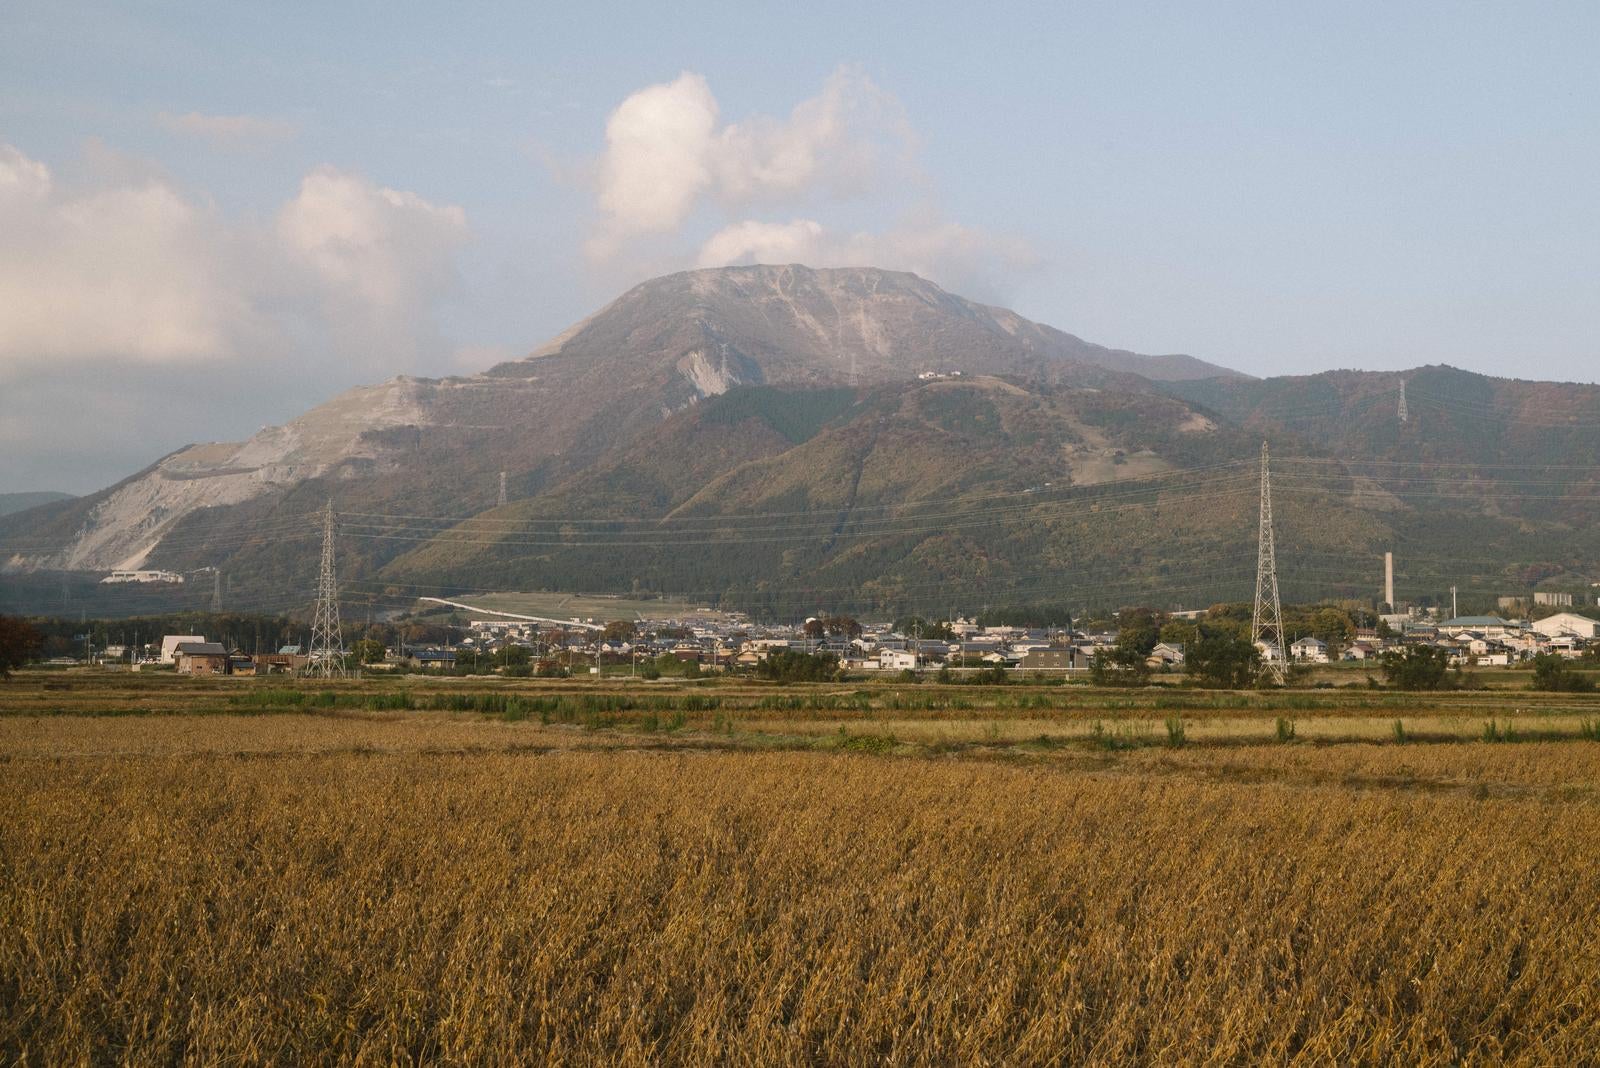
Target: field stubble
pixel 380 887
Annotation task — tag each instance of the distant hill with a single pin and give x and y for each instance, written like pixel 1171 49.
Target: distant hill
pixel 11 503
pixel 987 490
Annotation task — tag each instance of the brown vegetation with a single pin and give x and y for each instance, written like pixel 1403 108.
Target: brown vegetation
pixel 381 887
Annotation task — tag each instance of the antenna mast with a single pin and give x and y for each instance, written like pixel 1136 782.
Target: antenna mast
pixel 1268 614
pixel 327 642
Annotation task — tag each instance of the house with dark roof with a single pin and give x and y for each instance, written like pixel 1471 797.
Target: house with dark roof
pixel 201 658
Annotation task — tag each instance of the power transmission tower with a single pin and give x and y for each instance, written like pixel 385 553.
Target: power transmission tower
pixel 502 489
pixel 216 589
pixel 1267 587
pixel 327 642
pixel 1403 414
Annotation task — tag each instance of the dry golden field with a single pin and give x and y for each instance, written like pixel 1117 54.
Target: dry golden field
pixel 239 876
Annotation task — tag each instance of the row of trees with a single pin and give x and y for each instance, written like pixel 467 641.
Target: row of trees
pixel 1216 656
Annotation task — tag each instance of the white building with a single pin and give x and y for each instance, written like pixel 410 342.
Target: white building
pixel 1310 651
pixel 897 660
pixel 140 576
pixel 1569 623
pixel 169 645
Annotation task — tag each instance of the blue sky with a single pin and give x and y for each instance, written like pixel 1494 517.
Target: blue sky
pixel 1279 188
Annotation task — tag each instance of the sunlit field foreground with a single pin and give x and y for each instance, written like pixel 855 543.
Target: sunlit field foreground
pixel 368 885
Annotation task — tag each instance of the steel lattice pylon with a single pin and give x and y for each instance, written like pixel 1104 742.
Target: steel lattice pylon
pixel 1261 623
pixel 327 641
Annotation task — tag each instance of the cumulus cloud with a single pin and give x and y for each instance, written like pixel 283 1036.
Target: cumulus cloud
pixel 125 283
pixel 135 270
pixel 140 272
pixel 665 153
pixel 375 258
pixel 227 131
pixel 670 160
pixel 657 158
pixel 838 144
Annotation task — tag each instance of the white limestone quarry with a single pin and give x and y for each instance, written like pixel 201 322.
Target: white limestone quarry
pixel 122 530
pixel 710 379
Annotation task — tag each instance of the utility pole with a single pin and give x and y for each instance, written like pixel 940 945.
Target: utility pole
pixel 327 640
pixel 1455 613
pixel 1268 614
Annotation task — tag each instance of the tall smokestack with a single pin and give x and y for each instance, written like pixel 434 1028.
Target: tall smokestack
pixel 1388 580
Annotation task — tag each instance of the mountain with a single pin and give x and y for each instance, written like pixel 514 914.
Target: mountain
pixel 662 346
pixel 785 439
pixel 11 503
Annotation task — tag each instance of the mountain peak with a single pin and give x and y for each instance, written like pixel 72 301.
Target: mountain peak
pixel 789 323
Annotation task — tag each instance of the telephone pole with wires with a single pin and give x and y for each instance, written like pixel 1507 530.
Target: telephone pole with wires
pixel 1268 614
pixel 327 640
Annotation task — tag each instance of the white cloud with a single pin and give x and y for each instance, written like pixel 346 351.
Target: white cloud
pixel 135 271
pixel 126 303
pixel 229 131
pixel 665 153
pixel 376 256
pixel 667 159
pixel 838 143
pixel 751 241
pixel 657 159
pixel 22 180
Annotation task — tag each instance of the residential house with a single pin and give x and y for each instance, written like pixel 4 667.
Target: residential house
pixel 288 660
pixel 436 659
pixel 1052 659
pixel 688 652
pixel 201 658
pixel 169 645
pixel 1568 645
pixel 897 660
pixel 1165 656
pixel 1309 650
